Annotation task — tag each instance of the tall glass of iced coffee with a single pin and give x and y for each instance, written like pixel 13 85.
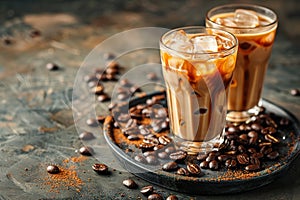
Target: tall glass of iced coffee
pixel 255 28
pixel 197 65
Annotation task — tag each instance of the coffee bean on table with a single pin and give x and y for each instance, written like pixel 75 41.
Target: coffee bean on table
pixel 85 135
pixel 170 166
pixel 131 184
pixel 295 92
pixel 86 151
pixel 172 197
pixel 100 168
pixel 92 122
pixel 103 97
pixel 155 196
pixel 53 169
pixel 152 76
pixel 147 190
pixel 101 118
pixel 52 66
pixel 99 89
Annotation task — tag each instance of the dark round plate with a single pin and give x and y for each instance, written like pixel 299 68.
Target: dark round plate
pixel 213 182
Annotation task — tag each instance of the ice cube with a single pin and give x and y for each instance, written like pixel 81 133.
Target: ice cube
pixel 228 21
pixel 205 43
pixel 246 18
pixel 179 41
pixel 224 42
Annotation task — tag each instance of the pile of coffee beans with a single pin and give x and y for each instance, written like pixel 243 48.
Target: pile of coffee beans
pixel 249 146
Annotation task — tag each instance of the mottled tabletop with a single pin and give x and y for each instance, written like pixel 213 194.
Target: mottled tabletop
pixel 38 124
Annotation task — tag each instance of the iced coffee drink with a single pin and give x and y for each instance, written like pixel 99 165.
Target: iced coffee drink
pixel 255 28
pixel 197 65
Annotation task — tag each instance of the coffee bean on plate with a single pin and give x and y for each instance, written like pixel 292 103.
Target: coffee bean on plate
pixel 152 160
pixel 53 169
pixel 231 163
pixel 193 169
pixel 252 167
pixel 164 139
pixel 170 166
pixel 172 197
pixel 131 184
pixel 147 190
pixel 243 159
pixel 155 196
pixel 213 165
pixel 100 168
pixel 178 156
pixel 183 172
pixel 204 164
pixel 140 158
pixel 163 155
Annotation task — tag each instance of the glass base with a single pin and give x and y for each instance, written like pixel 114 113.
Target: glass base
pixel 194 148
pixel 241 116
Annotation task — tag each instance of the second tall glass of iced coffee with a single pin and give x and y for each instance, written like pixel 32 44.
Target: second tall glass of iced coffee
pixel 197 64
pixel 255 28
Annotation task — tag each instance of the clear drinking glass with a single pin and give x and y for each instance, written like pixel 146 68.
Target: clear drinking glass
pixel 198 65
pixel 255 28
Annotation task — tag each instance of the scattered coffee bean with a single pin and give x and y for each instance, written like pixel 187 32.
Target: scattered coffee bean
pixel 100 168
pixel 152 76
pixel 131 184
pixel 170 166
pixel 172 197
pixel 155 196
pixel 101 118
pixel 163 155
pixel 140 159
pixel 86 151
pixel 152 160
pixel 85 135
pixel 295 92
pixel 52 66
pixel 147 190
pixel 53 169
pixel 125 83
pixel 103 97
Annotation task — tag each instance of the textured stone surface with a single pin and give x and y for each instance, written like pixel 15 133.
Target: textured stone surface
pixel 36 104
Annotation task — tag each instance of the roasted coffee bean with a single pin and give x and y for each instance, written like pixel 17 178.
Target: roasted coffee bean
pixel 164 140
pixel 284 122
pixel 92 122
pixel 109 56
pixel 147 190
pixel 113 64
pixel 53 169
pixel 271 138
pixel 252 167
pixel 233 129
pixel 266 150
pixel 252 134
pixel 123 96
pixel 223 158
pixel 111 106
pixel 162 155
pixel 103 97
pixel 232 152
pixel 85 135
pixel 123 117
pixel 125 83
pixel 155 196
pixel 273 155
pixel 172 197
pixel 112 71
pixel 100 168
pixel 268 130
pixel 231 163
pixel 262 144
pixel 243 138
pixel 210 158
pixel 144 131
pixel 152 160
pixel 201 157
pixel 133 137
pixel 134 89
pixel 254 161
pixel 251 150
pixel 152 76
pixel 253 141
pixel 86 151
pixel 193 168
pixel 244 127
pixel 170 150
pixel 52 66
pixel 149 153
pixel 242 149
pixel 183 172
pixel 243 159
pixel 170 166
pixel 158 147
pixel 99 89
pixel 89 78
pixel 151 140
pixel 295 92
pixel 213 165
pixel 256 126
pixel 257 155
pixel 140 159
pixel 131 184
pixel 178 156
pixel 204 164
pixel 271 122
pixel 131 123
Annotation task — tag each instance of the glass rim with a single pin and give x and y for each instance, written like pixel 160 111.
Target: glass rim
pixel 203 28
pixel 242 5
